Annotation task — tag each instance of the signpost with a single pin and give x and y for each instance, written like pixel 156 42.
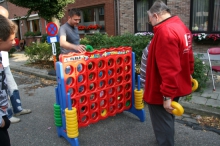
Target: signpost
pixel 52 38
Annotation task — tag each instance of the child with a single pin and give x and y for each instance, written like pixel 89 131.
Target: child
pixel 7 35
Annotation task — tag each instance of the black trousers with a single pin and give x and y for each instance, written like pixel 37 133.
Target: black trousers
pixel 4 137
pixel 163 124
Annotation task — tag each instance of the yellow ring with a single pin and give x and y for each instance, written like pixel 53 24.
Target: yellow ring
pixel 178 109
pixel 195 84
pixel 138 92
pixel 72 135
pixel 71 116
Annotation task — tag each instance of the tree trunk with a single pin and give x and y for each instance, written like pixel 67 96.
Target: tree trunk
pixel 56 21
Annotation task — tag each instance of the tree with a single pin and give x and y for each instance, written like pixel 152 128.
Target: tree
pixel 47 9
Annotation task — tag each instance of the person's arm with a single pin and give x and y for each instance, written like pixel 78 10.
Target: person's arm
pixel 66 45
pixel 168 62
pixel 2 122
pixel 69 46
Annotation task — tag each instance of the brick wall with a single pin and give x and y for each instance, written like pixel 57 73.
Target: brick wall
pixel 17 12
pixel 126 15
pixel 202 48
pixel 180 8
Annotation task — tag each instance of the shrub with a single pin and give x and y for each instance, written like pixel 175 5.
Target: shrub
pixel 11 51
pixel 29 33
pixel 38 52
pixel 200 69
pixel 37 33
pixel 44 38
pixel 138 42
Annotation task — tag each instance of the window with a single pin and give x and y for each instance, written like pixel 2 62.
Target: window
pixel 93 15
pixel 205 16
pixel 141 17
pixel 33 23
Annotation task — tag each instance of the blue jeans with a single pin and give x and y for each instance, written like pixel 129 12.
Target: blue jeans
pixel 13 93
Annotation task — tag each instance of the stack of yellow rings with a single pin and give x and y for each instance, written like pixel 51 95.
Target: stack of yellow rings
pixel 139 103
pixel 71 123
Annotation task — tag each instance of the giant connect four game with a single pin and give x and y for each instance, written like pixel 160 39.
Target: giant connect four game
pixel 92 86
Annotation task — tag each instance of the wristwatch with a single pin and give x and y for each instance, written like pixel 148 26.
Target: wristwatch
pixel 166 98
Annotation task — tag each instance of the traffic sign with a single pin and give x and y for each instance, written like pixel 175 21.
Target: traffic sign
pixel 51 29
pixel 53 39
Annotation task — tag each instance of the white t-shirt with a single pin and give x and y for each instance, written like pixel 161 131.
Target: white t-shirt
pixel 5 59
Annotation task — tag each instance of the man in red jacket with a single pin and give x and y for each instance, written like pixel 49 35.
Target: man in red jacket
pixel 169 67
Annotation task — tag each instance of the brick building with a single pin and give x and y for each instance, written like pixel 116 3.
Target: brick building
pixel 121 16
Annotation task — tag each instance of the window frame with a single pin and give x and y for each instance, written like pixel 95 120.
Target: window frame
pixel 97 11
pixel 210 18
pixel 135 16
pixel 29 23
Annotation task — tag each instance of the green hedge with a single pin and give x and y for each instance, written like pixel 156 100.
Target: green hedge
pixel 137 43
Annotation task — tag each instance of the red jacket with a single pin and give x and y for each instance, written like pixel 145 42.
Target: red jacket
pixel 170 62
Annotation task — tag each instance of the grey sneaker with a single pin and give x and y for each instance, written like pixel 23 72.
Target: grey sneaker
pixel 14 120
pixel 24 111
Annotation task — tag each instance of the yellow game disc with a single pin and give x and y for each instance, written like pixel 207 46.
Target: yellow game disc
pixel 195 84
pixel 178 109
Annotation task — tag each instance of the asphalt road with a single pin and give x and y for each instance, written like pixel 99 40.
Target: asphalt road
pixel 125 129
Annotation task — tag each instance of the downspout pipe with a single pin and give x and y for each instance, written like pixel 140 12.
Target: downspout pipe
pixel 117 17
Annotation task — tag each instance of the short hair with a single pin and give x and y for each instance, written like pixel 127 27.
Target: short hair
pixel 159 7
pixel 74 11
pixel 7 28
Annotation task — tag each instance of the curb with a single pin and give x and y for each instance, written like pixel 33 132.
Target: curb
pixel 200 109
pixel 32 73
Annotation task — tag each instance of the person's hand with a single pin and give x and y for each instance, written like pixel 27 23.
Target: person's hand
pixel 3 123
pixel 81 48
pixel 167 106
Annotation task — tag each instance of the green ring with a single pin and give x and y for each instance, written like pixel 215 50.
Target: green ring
pixel 89 48
pixel 57 115
pixel 57 111
pixel 56 106
pixel 58 125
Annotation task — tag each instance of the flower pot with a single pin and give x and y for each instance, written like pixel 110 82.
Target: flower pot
pixel 93 30
pixel 81 31
pixel 207 42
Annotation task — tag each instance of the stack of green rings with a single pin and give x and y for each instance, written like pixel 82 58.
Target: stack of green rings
pixel 57 115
